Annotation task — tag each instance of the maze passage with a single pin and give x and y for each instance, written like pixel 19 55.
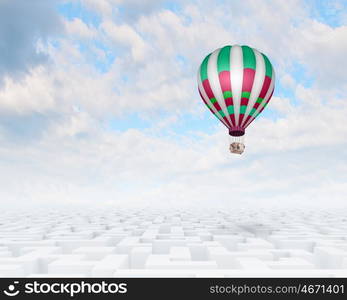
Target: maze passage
pixel 114 242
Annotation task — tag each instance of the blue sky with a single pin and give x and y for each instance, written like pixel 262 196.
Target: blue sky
pixel 98 100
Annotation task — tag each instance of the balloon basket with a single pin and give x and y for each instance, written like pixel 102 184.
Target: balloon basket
pixel 237 148
pixel 237 145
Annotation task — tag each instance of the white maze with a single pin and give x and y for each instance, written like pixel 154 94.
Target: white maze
pixel 173 243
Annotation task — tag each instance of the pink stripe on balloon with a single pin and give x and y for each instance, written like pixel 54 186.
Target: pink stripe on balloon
pixel 265 87
pixel 244 101
pixel 227 121
pixel 247 84
pixel 241 116
pixel 225 84
pixel 232 117
pixel 217 106
pixel 224 80
pixel 207 88
pixel 229 101
pixel 248 79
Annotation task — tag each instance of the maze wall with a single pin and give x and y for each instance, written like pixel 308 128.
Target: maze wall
pixel 173 243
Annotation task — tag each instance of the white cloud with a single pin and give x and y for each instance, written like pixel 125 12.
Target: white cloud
pixel 323 51
pixel 282 105
pixel 125 35
pixel 78 29
pixel 287 81
pixel 104 7
pixel 33 94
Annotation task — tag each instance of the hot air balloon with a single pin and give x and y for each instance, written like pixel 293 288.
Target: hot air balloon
pixel 236 83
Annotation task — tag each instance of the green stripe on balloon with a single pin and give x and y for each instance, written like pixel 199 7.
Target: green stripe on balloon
pixel 223 60
pixel 248 58
pixel 227 94
pixel 222 114
pixel 245 95
pixel 268 66
pixel 213 100
pixel 243 109
pixel 230 109
pixel 203 68
pixel 260 101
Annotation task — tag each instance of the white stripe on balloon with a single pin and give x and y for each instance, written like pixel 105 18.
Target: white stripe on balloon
pixel 236 78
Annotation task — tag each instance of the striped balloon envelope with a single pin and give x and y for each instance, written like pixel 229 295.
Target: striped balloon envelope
pixel 236 83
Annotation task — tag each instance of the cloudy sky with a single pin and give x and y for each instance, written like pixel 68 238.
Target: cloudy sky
pixel 99 103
